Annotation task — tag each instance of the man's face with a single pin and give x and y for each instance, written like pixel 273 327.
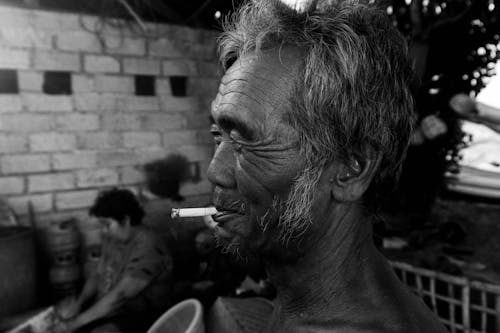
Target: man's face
pixel 257 160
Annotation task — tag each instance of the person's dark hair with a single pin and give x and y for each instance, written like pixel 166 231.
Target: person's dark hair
pixel 117 204
pixel 165 176
pixel 352 96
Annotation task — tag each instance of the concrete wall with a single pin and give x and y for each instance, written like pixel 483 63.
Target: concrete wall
pixel 58 151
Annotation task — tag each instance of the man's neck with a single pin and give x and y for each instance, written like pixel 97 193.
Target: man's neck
pixel 331 274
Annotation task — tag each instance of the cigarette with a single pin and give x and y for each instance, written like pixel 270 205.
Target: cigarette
pixel 192 212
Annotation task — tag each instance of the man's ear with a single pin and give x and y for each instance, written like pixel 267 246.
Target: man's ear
pixel 349 181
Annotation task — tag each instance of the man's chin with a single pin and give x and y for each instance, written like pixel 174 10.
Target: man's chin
pixel 231 245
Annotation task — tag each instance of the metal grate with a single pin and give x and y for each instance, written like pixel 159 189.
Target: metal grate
pixel 464 306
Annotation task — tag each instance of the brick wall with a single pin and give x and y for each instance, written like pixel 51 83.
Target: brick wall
pixel 58 151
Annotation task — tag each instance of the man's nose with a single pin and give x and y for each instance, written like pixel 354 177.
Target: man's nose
pixel 221 169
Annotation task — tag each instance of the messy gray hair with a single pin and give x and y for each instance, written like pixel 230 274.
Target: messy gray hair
pixel 352 97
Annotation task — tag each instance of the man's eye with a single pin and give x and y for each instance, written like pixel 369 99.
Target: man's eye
pixel 217 135
pixel 235 135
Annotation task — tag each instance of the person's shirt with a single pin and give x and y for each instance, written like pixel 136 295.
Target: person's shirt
pixel 144 256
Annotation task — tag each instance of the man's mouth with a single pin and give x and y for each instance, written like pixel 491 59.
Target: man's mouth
pixel 223 215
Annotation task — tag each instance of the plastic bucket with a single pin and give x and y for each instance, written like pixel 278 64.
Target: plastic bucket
pixel 184 317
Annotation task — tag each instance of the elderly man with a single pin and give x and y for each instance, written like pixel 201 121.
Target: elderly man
pixel 312 122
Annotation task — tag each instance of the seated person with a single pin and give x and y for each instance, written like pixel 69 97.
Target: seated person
pixel 131 285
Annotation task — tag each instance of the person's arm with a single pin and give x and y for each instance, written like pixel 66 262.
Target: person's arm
pixel 127 288
pixel 89 289
pixel 69 308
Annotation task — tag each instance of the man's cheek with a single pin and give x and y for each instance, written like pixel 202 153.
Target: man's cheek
pixel 256 191
pixel 272 175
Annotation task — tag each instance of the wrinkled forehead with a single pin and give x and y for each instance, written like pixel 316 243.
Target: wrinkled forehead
pixel 263 81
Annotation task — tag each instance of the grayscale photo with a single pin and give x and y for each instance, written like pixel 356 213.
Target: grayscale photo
pixel 250 166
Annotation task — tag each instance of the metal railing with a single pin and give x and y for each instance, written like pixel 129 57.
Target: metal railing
pixel 463 305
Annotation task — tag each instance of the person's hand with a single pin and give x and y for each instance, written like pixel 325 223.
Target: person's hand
pixel 68 308
pixel 432 127
pixel 202 286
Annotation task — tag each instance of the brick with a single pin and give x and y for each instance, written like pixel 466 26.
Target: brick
pixel 113 26
pixel 165 47
pixel 53 20
pixel 83 83
pixel 25 122
pixel 76 160
pixel 99 140
pixel 151 154
pixel 78 41
pixel 120 121
pixel 21 17
pixel 87 101
pixel 160 29
pixel 201 187
pixel 16 59
pixel 141 66
pixel 205 104
pixel 25 37
pixel 96 177
pixel 124 45
pixel 17 17
pixel 185 137
pixel 187 34
pixel 111 101
pixel 45 220
pixel 75 199
pixel 25 163
pixel 10 103
pixel 42 102
pixel 56 61
pixel 203 136
pixel 207 52
pixel 179 68
pixel 118 84
pixel 101 64
pixel 51 182
pixel 52 141
pixel 163 122
pixel 197 121
pixel 203 87
pixel 10 143
pixel 139 103
pixel 176 104
pixel 117 158
pixel 131 175
pixel 163 87
pixel 11 185
pixel 196 152
pixel 30 81
pixel 77 122
pixel 209 69
pixel 141 139
pixel 39 202
pixel 209 36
